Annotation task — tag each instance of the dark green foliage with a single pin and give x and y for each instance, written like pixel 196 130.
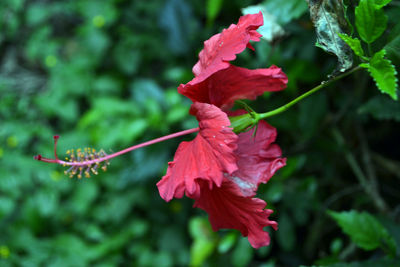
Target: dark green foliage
pixel 383 73
pixel 104 74
pixel 382 108
pixel 354 44
pixel 364 230
pixel 370 20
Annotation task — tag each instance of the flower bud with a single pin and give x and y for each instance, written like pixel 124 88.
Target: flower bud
pixel 243 122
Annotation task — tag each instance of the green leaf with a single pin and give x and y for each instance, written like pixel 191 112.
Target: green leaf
pixel 285 11
pixel 69 249
pixel 354 44
pixel 382 3
pixel 393 49
pixel 364 229
pixel 328 18
pixel 336 246
pixel 126 56
pixel 204 240
pixel 6 206
pixel 201 249
pixel 286 235
pixel 227 242
pixel 37 13
pixel 213 9
pixel 82 198
pixel 242 253
pixel 371 21
pixel 345 7
pixel 383 73
pixel 178 21
pixel 382 108
pixel 144 89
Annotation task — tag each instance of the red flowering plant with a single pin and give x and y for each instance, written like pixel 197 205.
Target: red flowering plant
pixel 233 152
pixel 219 169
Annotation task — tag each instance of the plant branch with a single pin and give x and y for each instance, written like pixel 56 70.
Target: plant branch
pixel 370 170
pixel 387 164
pixel 306 94
pixel 355 167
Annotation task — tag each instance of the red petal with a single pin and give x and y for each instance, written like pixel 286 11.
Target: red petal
pixel 207 157
pixel 258 158
pixel 223 47
pixel 227 208
pixel 233 83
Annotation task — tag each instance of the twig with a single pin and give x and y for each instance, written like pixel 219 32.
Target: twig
pixel 390 165
pixel 338 195
pixel 346 252
pixel 324 84
pixel 355 167
pixel 370 169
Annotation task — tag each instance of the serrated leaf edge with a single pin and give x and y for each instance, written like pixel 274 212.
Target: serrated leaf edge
pixel 346 37
pixel 368 67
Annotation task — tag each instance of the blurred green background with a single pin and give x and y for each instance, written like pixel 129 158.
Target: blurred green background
pixel 104 74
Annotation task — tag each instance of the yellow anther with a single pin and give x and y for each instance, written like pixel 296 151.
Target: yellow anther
pixel 79 162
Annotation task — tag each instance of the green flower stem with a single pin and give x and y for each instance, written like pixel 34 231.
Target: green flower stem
pixel 306 94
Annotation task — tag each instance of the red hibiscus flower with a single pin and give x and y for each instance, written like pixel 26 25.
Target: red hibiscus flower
pixel 233 204
pixel 217 81
pixel 207 157
pixel 220 170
